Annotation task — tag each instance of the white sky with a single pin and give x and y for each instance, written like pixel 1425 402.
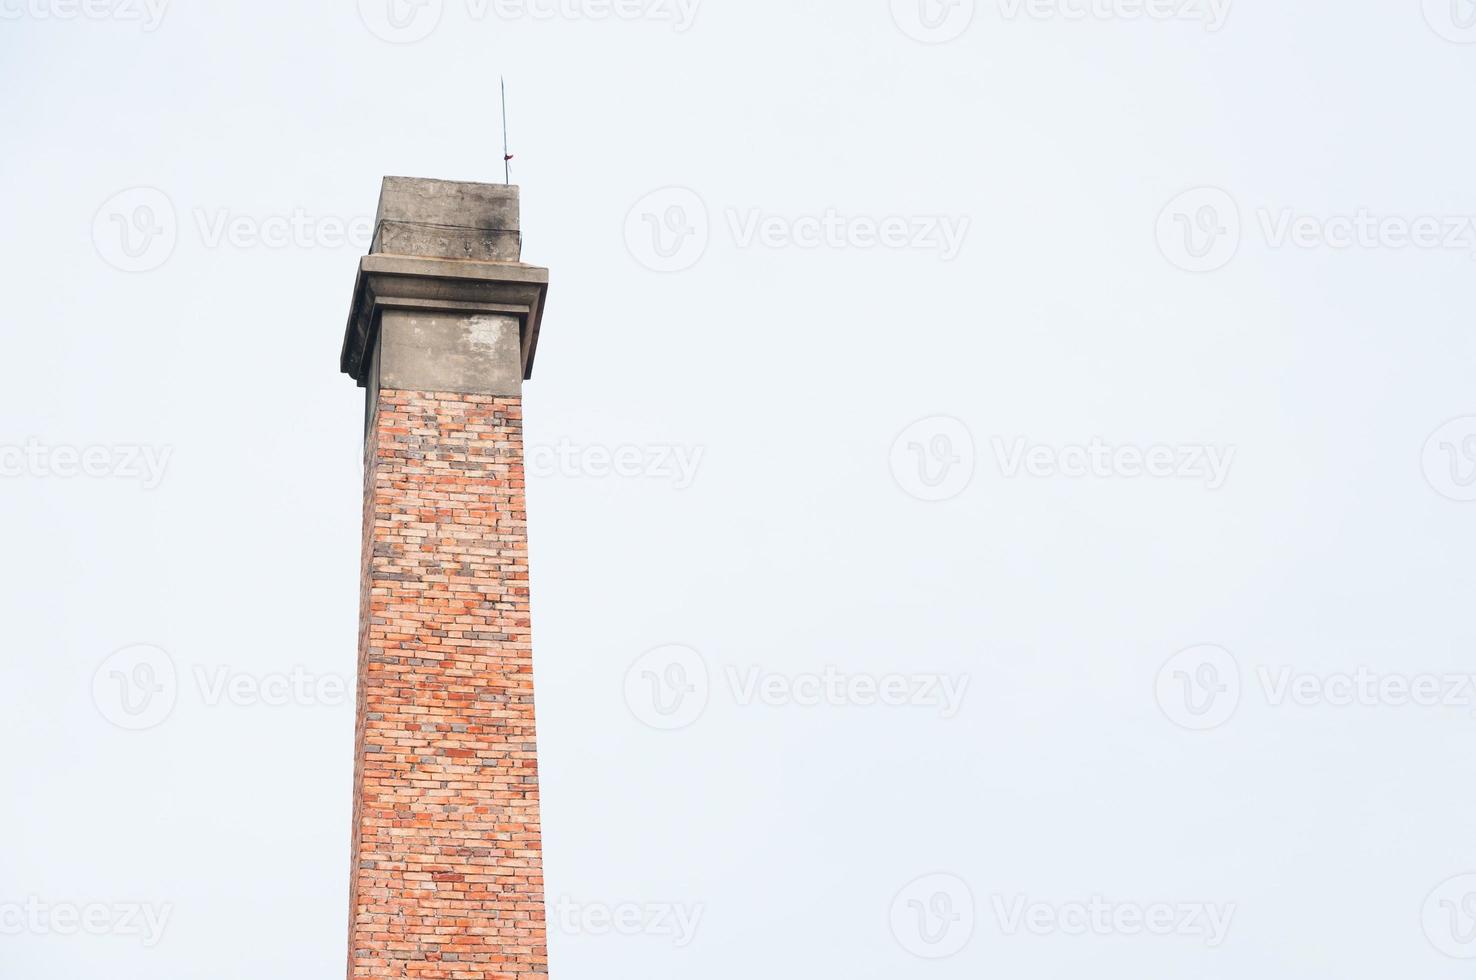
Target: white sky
pixel 1333 543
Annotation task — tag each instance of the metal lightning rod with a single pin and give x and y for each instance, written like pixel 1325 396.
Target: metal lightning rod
pixel 506 156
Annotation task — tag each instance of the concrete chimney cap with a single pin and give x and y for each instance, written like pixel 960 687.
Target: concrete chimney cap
pixel 448 219
pixel 443 246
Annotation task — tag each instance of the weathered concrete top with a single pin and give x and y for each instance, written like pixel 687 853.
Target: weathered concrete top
pixel 448 250
pixel 447 219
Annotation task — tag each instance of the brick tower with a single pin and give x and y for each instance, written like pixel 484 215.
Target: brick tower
pixel 447 878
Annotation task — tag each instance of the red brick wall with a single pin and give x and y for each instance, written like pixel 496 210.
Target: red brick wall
pixel 447 877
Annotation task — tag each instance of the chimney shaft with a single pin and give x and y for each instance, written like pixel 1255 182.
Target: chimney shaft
pixel 447 876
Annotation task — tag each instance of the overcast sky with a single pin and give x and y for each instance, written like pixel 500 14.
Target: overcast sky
pixel 1001 478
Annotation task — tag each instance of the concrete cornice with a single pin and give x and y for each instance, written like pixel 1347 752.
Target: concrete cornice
pixel 437 285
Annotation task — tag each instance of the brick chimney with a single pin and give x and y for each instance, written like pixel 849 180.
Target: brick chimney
pixel 447 877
